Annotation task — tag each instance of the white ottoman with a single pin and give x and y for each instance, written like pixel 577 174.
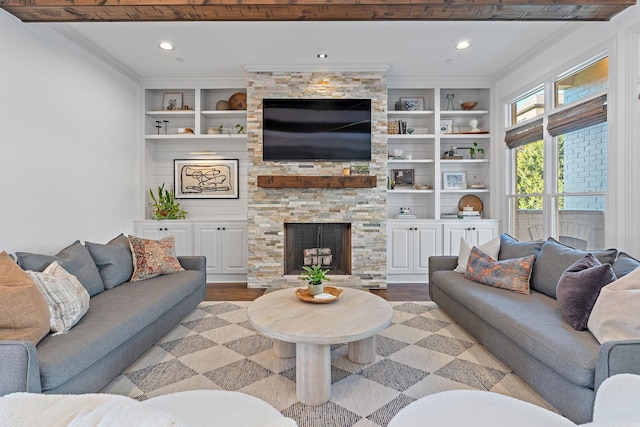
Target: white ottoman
pixel 219 408
pixel 474 408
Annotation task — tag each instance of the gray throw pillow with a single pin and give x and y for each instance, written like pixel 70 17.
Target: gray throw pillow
pixel 113 260
pixel 579 287
pixel 512 248
pixel 555 258
pixel 75 259
pixel 625 264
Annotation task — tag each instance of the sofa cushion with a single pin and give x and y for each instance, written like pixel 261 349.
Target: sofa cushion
pixel 510 274
pixel 555 258
pixel 153 257
pixel 491 248
pixel 624 264
pixel 114 260
pixel 74 258
pixel 512 248
pixel 114 316
pixel 534 322
pixel 579 287
pixel 67 299
pixel 615 314
pixel 24 314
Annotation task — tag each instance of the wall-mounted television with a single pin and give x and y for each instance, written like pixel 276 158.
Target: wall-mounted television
pixel 316 129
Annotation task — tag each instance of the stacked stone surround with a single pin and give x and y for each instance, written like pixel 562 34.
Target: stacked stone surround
pixel 269 209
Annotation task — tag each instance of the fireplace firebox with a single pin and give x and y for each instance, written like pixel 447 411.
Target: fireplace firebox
pixel 324 244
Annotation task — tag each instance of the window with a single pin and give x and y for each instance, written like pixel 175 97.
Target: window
pixel 560 161
pixel 528 107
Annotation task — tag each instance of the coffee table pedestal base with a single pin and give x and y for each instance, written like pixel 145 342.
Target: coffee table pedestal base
pixel 313 373
pixel 283 349
pixel 362 351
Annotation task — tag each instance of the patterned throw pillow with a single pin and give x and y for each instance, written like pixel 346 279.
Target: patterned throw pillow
pixel 511 274
pixel 68 300
pixel 153 257
pixel 579 287
pixel 491 248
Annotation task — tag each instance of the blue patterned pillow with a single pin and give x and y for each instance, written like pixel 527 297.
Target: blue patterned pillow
pixel 511 274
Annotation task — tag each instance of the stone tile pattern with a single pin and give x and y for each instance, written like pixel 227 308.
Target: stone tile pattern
pixel 422 352
pixel 269 209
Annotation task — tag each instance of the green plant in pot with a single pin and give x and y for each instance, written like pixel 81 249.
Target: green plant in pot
pixel 477 149
pixel 164 205
pixel 315 277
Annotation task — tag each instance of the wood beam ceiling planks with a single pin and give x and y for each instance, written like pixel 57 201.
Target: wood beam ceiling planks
pixel 313 10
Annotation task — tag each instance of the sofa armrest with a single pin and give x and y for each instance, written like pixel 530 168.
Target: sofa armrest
pixel 193 263
pixel 19 368
pixel 617 357
pixel 442 262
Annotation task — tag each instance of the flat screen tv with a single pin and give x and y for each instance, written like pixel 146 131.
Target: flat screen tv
pixel 316 129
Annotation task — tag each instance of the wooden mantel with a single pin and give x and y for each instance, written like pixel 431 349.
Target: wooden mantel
pixel 323 181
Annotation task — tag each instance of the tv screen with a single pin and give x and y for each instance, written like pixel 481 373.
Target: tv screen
pixel 316 129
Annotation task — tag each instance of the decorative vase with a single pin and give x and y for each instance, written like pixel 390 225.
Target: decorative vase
pixel 315 289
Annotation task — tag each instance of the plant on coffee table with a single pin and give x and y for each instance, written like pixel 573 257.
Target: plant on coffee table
pixel 315 277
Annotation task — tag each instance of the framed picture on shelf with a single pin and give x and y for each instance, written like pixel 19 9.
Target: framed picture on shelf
pixel 454 180
pixel 414 103
pixel 403 176
pixel 206 179
pixel 446 126
pixel 172 101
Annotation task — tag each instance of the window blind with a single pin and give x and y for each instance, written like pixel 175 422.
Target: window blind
pixel 583 115
pixel 524 134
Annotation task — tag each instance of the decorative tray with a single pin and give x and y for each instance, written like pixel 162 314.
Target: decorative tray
pixel 471 201
pixel 303 294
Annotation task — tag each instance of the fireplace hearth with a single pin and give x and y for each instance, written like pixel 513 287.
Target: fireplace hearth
pixel 324 244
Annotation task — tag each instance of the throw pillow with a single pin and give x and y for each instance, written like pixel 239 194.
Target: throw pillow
pixel 491 248
pixel 555 258
pixel 512 248
pixel 625 264
pixel 68 300
pixel 579 287
pixel 114 260
pixel 75 259
pixel 24 314
pixel 615 314
pixel 511 274
pixel 153 257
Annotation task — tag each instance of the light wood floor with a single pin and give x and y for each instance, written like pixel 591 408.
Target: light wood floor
pixel 240 292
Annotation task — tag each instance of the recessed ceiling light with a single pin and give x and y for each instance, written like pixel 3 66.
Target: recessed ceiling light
pixel 166 46
pixel 463 45
pixel 322 55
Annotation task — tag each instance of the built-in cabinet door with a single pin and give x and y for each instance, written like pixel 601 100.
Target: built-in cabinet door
pixel 156 230
pixel 476 233
pixel 233 248
pixel 207 243
pixel 400 248
pixel 427 243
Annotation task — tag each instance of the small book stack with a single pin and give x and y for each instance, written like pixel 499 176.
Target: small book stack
pixel 469 214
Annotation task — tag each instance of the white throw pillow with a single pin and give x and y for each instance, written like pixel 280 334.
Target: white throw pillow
pixel 615 314
pixel 68 300
pixel 491 248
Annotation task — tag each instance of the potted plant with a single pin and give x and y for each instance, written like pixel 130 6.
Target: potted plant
pixel 475 148
pixel 164 205
pixel 315 277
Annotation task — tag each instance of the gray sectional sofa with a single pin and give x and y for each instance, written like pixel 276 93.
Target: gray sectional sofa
pixel 528 332
pixel 121 324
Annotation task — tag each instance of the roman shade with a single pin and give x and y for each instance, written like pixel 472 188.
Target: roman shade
pixel 585 114
pixel 524 134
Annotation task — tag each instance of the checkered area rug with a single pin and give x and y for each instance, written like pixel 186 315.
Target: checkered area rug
pixel 422 352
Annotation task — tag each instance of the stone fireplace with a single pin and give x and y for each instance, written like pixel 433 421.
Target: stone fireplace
pixel 271 209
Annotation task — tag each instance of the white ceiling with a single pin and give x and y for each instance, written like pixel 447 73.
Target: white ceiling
pixel 412 48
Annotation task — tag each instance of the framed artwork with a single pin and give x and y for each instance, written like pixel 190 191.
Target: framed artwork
pixel 172 101
pixel 403 176
pixel 206 179
pixel 446 126
pixel 454 180
pixel 413 103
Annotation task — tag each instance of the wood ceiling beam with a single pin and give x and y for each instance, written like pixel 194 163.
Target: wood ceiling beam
pixel 313 10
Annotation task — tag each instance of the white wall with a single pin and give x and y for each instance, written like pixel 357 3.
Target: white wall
pixel 69 152
pixel 620 37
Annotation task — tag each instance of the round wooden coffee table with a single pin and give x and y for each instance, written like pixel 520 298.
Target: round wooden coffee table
pixel 306 331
